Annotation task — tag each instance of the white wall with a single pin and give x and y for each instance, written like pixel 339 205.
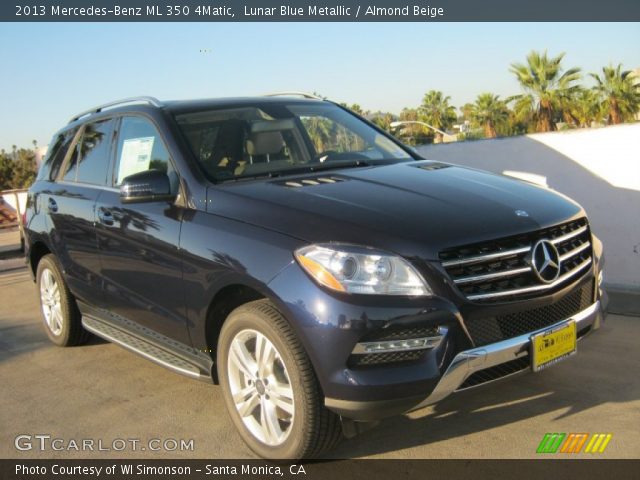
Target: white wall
pixel 10 198
pixel 599 168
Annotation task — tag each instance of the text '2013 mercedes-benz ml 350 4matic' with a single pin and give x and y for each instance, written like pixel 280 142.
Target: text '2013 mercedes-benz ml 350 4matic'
pixel 317 269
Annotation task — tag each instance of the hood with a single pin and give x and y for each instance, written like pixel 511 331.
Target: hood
pixel 415 208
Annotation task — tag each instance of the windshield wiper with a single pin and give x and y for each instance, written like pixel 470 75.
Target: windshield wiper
pixel 319 167
pixel 237 178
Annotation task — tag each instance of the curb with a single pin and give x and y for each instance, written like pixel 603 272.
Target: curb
pixel 623 299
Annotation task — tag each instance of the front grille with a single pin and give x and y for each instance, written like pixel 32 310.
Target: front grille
pixel 372 359
pixel 502 269
pixel 504 369
pixel 493 329
pixel 496 372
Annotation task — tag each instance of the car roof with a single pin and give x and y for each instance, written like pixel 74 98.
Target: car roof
pixel 184 106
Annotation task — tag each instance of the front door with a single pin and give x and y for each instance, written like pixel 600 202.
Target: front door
pixel 138 242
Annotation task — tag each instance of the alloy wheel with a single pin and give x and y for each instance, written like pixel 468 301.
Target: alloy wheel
pixel 50 301
pixel 260 387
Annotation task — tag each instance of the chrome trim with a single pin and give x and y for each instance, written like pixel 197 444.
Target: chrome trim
pixel 489 276
pixel 489 256
pixel 89 185
pixel 575 251
pixel 293 94
pixel 534 288
pixel 116 103
pixel 567 236
pixel 430 342
pixel 470 361
pixel 89 323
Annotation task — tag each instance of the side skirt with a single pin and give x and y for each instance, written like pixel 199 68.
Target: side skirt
pixel 190 365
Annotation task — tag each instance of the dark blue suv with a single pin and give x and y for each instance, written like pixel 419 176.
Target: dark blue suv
pixel 317 269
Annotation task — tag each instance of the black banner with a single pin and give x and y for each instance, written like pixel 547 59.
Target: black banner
pixel 318 11
pixel 535 469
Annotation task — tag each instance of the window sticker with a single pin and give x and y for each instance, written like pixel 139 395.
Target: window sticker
pixel 135 156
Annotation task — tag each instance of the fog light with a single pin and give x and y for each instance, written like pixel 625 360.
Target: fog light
pixel 400 345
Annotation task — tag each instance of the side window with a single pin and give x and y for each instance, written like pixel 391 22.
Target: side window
pixel 140 147
pixel 71 167
pixel 94 149
pixel 57 151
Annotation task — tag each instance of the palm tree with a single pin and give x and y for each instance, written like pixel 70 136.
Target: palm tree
pixel 489 111
pixel 321 132
pixel 545 85
pixel 436 111
pixel 585 108
pixel 619 92
pixel 383 120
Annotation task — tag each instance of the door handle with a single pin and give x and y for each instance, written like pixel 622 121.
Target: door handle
pixel 105 217
pixel 52 206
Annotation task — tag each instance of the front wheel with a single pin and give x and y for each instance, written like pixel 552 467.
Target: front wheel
pixel 269 386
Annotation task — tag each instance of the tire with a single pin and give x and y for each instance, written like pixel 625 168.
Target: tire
pixel 60 314
pixel 303 427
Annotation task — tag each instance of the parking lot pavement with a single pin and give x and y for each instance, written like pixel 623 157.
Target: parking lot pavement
pixel 102 392
pixel 9 241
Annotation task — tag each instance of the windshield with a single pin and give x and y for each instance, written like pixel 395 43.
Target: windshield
pixel 278 139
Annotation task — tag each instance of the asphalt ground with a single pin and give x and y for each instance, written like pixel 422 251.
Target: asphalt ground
pixel 103 393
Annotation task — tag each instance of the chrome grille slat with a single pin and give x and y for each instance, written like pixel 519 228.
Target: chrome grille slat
pixel 569 235
pixel 535 288
pixel 490 276
pixel 575 251
pixel 484 258
pixel 501 269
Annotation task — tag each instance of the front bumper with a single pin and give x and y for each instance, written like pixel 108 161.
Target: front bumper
pixel 463 366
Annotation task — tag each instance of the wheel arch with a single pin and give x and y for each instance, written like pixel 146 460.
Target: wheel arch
pixel 38 250
pixel 226 299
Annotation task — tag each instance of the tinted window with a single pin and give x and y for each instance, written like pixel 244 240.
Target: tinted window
pixel 278 139
pixel 57 151
pixel 141 148
pixel 71 167
pixel 94 152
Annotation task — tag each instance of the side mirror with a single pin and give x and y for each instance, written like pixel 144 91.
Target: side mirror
pixel 147 186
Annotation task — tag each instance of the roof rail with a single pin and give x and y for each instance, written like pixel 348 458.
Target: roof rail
pixel 293 94
pixel 150 100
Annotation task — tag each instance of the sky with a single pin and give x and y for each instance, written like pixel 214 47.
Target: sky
pixel 51 71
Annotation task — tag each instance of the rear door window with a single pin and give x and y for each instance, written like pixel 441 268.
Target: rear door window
pixel 94 151
pixel 58 148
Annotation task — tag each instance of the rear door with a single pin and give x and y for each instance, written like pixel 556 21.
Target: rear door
pixel 70 204
pixel 138 242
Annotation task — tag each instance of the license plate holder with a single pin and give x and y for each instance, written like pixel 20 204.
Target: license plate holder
pixel 553 345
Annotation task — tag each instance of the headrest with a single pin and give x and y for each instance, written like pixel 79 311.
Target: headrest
pixel 264 143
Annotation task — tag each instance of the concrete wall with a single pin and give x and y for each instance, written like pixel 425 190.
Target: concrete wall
pixel 599 168
pixel 12 200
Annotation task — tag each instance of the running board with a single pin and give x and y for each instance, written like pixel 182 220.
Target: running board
pixel 142 347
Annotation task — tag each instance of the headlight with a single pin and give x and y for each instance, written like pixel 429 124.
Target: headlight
pixel 353 269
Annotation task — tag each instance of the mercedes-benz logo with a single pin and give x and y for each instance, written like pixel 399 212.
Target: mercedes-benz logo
pixel 545 261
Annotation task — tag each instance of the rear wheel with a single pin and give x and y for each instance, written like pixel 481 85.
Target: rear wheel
pixel 270 388
pixel 62 319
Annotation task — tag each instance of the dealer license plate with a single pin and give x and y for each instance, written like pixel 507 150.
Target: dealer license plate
pixel 553 345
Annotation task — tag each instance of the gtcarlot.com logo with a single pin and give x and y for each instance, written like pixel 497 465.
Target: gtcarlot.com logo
pixel 574 443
